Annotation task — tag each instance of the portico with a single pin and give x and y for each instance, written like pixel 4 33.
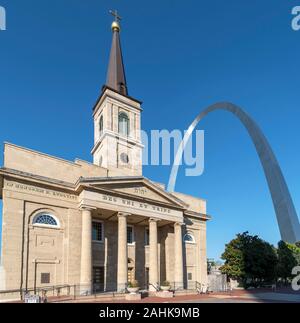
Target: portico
pixel 141 215
pixel 122 254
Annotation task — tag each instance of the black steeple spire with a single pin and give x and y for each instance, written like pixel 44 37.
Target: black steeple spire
pixel 116 73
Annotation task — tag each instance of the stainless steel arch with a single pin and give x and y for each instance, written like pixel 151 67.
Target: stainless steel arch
pixel 287 218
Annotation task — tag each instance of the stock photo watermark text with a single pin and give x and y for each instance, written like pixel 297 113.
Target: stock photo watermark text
pixel 2 18
pixel 296 279
pixel 296 19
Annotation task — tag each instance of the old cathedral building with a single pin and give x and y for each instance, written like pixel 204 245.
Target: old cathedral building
pixel 98 225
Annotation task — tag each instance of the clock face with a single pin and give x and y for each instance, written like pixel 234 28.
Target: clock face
pixel 124 158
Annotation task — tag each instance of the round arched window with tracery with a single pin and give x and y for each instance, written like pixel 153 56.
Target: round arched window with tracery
pixel 189 238
pixel 45 219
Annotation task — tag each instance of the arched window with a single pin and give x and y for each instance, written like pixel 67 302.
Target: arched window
pixel 189 238
pixel 101 125
pixel 45 219
pixel 123 124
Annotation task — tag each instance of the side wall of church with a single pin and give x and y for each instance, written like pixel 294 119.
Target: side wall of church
pixel 194 254
pixel 29 250
pixel 33 162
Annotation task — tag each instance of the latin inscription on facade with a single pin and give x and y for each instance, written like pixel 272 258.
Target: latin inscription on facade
pixel 34 189
pixel 137 205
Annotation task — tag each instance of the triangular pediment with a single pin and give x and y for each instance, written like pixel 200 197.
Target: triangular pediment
pixel 140 188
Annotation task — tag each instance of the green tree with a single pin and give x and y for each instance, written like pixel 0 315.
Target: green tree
pixel 288 258
pixel 249 259
pixel 234 266
pixel 296 252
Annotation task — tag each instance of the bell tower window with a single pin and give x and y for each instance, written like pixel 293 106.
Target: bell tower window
pixel 123 124
pixel 101 125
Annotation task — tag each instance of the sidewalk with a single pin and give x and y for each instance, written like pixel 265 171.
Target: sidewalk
pixel 236 296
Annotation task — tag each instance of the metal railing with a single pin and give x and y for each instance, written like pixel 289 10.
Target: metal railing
pixel 155 286
pixel 67 292
pixel 58 291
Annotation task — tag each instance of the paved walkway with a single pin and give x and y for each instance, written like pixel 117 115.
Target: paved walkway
pixel 236 296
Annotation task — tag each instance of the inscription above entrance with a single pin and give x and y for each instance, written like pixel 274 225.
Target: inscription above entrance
pixel 130 205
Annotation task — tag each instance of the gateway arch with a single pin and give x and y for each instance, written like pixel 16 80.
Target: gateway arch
pixel 287 218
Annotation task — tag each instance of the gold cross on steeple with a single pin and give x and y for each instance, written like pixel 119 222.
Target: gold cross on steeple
pixel 115 14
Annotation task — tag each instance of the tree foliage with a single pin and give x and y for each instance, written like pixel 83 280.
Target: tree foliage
pixel 249 258
pixel 288 258
pixel 252 260
pixel 286 261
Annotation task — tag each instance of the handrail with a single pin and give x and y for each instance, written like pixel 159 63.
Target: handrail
pixel 33 289
pixel 155 287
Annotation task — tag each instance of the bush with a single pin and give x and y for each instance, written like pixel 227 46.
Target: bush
pixel 133 284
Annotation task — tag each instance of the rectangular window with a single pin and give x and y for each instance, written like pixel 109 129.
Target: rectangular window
pixel 45 278
pixel 147 237
pixel 130 237
pixel 97 231
pixel 190 276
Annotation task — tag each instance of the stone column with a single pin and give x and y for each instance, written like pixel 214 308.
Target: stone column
pixel 86 252
pixel 178 256
pixel 153 255
pixel 122 270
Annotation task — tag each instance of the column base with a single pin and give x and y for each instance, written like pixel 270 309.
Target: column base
pixel 85 289
pixel 178 286
pixel 122 288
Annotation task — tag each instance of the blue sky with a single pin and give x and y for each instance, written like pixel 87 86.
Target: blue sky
pixel 180 56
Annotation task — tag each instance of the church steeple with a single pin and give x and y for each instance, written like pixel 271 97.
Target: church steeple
pixel 117 119
pixel 116 79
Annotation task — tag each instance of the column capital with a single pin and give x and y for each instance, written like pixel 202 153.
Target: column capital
pixel 84 207
pixel 123 214
pixel 154 220
pixel 181 224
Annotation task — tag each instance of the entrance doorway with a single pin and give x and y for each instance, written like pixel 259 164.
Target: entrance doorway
pixel 146 278
pixel 98 279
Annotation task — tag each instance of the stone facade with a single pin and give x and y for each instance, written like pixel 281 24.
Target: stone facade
pixel 32 183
